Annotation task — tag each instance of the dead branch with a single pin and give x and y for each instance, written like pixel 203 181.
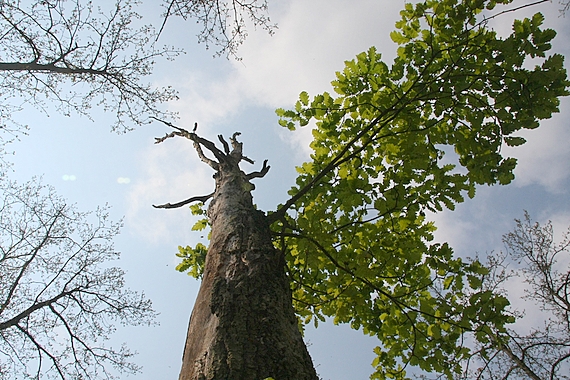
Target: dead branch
pixel 237 151
pixel 213 164
pixel 224 143
pixel 198 143
pixel 158 140
pixel 200 198
pixel 259 174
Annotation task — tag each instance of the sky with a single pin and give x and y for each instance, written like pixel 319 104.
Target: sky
pixel 91 166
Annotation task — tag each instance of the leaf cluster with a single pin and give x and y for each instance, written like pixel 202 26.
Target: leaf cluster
pixel 194 259
pixel 394 142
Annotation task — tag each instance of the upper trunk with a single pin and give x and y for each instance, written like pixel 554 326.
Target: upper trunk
pixel 243 326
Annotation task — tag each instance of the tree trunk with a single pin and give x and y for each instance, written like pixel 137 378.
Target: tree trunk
pixel 243 326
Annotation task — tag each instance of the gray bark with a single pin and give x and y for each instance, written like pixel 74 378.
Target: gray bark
pixel 243 326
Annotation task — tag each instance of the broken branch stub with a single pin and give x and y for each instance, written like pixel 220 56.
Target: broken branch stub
pixel 230 159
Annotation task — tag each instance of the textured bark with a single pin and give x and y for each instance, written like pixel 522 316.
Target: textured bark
pixel 243 325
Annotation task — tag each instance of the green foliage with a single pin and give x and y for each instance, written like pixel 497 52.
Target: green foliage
pixel 193 259
pixel 197 209
pixel 357 242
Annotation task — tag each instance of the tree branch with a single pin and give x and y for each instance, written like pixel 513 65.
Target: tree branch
pixel 52 68
pixel 259 174
pixel 224 143
pixel 520 363
pixel 200 198
pixel 26 313
pixel 198 141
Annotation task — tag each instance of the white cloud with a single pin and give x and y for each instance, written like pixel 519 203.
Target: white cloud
pixel 313 40
pixel 544 159
pixel 561 224
pixel 307 50
pixel 172 173
pixel 299 141
pixel 318 36
pixel 206 100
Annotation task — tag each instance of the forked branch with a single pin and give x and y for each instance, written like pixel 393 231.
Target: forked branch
pixel 198 143
pixel 234 155
pixel 259 174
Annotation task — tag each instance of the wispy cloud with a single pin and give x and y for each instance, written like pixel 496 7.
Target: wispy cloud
pixel 172 172
pixel 544 158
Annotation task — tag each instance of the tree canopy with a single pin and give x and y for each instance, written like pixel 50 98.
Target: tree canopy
pixel 355 232
pixel 394 142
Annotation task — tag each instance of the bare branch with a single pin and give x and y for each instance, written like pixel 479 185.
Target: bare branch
pixel 237 151
pixel 169 124
pixel 213 164
pixel 224 22
pixel 200 198
pixel 542 352
pixel 259 174
pixel 198 143
pixel 54 275
pixel 224 143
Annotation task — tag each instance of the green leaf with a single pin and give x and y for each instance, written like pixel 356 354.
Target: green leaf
pixel 304 98
pixel 398 37
pixel 197 209
pixel 200 225
pixel 515 141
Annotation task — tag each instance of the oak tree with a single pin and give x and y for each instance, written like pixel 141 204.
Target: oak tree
pixel 353 239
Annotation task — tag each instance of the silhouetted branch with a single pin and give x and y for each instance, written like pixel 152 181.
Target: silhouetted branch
pixel 223 21
pixel 259 174
pixel 198 142
pixel 224 143
pixel 200 198
pixel 50 44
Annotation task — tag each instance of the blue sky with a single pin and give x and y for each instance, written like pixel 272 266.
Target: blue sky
pixel 91 166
